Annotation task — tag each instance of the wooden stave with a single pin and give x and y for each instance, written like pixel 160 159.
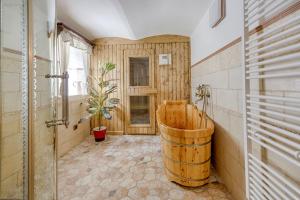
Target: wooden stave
pixel 187 153
pixel 185 168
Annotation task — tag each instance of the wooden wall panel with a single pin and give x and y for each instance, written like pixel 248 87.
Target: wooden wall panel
pixel 171 81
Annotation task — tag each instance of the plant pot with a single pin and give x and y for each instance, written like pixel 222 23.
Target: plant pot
pixel 99 133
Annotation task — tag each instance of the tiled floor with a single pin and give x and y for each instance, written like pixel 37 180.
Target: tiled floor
pixel 123 168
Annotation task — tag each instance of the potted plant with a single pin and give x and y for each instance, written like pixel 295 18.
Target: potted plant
pixel 99 103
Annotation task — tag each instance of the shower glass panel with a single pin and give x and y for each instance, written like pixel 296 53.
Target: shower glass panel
pixel 44 167
pixel 139 110
pixel 139 71
pixel 27 151
pixel 13 100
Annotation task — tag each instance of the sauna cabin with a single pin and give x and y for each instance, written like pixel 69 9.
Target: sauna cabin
pixel 148 72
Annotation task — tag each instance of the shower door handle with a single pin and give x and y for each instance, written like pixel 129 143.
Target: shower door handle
pixel 65 101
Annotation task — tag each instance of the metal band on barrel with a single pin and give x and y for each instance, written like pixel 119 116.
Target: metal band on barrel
pixel 184 145
pixel 184 178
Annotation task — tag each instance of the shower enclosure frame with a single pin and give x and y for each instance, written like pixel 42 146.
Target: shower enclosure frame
pixel 30 100
pixel 29 184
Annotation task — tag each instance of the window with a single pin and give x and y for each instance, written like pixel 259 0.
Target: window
pixel 77 68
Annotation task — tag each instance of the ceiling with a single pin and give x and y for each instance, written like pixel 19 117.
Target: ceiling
pixel 132 19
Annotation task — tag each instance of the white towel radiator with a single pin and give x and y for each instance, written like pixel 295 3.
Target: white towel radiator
pixel 272 99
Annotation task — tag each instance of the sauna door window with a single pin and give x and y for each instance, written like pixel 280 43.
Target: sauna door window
pixel 139 71
pixel 139 110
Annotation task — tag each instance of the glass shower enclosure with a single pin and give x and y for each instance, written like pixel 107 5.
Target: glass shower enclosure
pixel 27 145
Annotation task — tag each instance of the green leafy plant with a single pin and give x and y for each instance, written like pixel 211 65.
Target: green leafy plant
pixel 99 102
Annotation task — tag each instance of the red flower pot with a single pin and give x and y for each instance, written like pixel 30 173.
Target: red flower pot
pixel 99 133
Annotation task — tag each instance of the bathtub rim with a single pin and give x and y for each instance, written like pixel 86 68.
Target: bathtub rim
pixel 187 133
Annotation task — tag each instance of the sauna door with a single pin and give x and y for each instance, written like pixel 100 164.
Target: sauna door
pixel 139 91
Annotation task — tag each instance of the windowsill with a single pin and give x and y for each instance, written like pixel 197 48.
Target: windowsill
pixel 77 97
pixel 74 97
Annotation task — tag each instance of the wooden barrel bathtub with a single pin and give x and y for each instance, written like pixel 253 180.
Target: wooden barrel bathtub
pixel 185 143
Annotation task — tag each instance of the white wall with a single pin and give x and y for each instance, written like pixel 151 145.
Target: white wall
pixel 206 40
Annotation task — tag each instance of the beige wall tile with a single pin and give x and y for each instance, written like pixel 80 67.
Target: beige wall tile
pixel 291 171
pixel 11 102
pixel 10 124
pixel 11 145
pixel 223 73
pixel 11 165
pixel 67 137
pixel 290 84
pixel 10 188
pixel 10 82
pixel 215 80
pixel 221 117
pixel 235 78
pixel 10 63
pixel 237 134
pixel 228 99
pixel 11 137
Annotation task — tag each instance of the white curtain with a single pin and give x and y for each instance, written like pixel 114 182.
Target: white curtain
pixel 66 39
pixel 63 53
pixel 76 41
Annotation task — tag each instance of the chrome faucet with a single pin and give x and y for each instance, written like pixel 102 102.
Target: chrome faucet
pixel 203 93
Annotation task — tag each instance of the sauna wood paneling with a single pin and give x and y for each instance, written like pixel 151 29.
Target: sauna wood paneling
pixel 172 82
